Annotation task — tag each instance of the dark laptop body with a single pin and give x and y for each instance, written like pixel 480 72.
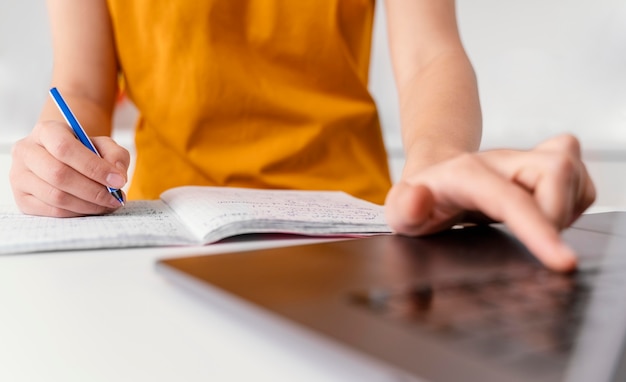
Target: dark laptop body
pixel 468 304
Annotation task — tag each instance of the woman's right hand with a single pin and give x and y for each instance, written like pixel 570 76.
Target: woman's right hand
pixel 53 174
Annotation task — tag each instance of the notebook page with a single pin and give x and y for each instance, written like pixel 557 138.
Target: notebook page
pixel 139 223
pixel 232 211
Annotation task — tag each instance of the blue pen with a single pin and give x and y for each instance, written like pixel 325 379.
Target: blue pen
pixel 80 134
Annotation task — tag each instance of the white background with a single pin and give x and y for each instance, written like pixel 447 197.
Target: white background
pixel 544 67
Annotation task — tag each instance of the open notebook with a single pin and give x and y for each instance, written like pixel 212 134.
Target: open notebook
pixel 196 215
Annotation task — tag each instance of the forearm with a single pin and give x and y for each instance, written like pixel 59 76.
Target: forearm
pixel 439 111
pixel 85 66
pixel 95 118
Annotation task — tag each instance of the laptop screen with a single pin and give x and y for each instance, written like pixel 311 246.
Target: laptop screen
pixel 474 298
pixel 600 354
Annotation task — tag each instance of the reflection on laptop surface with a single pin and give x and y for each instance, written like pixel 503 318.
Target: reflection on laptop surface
pixel 465 305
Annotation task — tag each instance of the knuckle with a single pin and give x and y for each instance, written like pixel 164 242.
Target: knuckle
pixel 126 156
pixel 94 169
pixel 111 151
pixel 592 194
pixel 44 125
pixel 22 150
pixel 18 148
pixel 57 197
pixel 40 126
pixel 569 142
pixel 58 173
pixel 564 165
pixel 61 148
pixel 15 177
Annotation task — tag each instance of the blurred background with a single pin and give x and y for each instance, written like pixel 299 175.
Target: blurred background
pixel 544 68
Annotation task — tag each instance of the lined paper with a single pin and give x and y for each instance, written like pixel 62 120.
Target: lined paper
pixel 195 215
pixel 216 212
pixel 138 224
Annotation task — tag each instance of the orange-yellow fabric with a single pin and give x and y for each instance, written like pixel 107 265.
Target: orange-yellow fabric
pixel 251 93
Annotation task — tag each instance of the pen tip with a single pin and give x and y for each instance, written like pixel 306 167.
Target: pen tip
pixel 118 195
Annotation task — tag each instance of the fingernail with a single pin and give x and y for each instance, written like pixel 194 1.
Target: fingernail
pixel 568 258
pixel 115 180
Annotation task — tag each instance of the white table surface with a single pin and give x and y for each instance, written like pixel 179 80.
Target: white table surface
pixel 107 315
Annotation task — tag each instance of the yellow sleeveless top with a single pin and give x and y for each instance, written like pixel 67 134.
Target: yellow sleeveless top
pixel 251 93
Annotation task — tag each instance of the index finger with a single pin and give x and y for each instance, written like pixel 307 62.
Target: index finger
pixel 67 149
pixel 505 201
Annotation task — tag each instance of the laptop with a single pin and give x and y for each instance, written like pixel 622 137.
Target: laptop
pixel 468 304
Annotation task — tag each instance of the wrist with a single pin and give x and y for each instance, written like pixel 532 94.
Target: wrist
pixel 425 156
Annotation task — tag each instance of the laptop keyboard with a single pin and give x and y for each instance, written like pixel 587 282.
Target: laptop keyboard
pixel 526 320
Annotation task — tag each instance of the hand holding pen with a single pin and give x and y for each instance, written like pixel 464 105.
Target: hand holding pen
pixel 80 134
pixel 57 171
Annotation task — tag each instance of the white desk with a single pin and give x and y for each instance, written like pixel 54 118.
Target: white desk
pixel 108 316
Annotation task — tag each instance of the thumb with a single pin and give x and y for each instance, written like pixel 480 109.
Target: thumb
pixel 408 208
pixel 112 152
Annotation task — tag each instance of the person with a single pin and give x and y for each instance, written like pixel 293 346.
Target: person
pixel 274 94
